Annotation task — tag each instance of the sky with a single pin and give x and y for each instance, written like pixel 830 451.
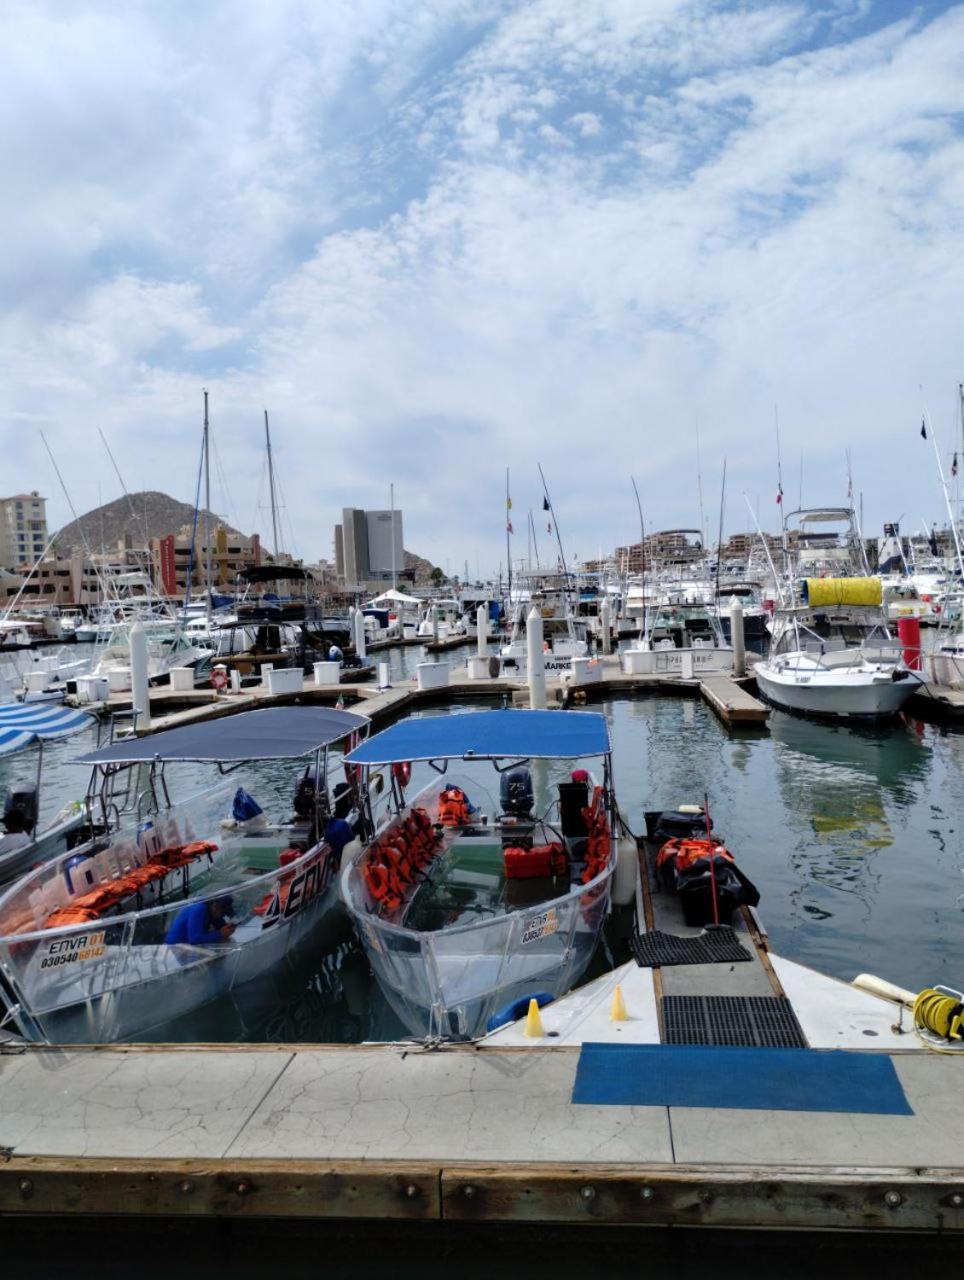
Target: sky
pixel 440 238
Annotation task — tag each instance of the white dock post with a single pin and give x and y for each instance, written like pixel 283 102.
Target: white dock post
pixel 535 660
pixel 435 624
pixel 361 644
pixel 607 640
pixel 140 685
pixel 482 631
pixel 736 637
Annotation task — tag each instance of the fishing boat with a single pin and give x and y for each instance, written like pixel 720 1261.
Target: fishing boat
pixel 564 635
pixel 23 842
pixel 95 946
pixel 485 885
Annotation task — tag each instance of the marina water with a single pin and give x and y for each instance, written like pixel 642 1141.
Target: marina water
pixel 851 834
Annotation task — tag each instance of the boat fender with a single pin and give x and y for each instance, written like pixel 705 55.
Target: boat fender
pixel 402 772
pixel 518 1009
pixel 624 879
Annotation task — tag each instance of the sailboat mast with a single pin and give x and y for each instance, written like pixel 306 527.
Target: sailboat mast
pixel 207 512
pixel 274 500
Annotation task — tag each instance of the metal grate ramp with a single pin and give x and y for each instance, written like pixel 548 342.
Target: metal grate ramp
pixel 718 945
pixel 766 1022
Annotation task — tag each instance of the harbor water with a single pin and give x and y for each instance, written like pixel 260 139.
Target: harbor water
pixel 851 835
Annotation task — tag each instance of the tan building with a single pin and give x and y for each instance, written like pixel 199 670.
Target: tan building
pixel 171 560
pixel 23 529
pixel 60 580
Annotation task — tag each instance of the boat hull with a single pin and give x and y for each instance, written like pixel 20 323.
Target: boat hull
pixel 836 695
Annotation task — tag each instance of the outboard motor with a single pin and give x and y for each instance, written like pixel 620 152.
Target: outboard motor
pixel 515 792
pixel 21 810
pixel 675 824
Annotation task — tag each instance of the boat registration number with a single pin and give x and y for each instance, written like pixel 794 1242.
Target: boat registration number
pixel 540 926
pixel 88 946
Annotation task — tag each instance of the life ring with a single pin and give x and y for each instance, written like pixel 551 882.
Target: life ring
pixel 219 679
pixel 402 772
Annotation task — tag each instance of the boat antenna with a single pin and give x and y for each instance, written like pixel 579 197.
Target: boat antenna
pixel 548 507
pixel 271 489
pixel 719 538
pixel 947 496
pixel 207 509
pixel 508 535
pixel 190 561
pixel 699 482
pixel 124 490
pixel 642 554
pixel 535 540
pixel 853 515
pixel 766 549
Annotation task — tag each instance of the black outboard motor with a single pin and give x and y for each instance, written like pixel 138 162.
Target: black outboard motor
pixel 21 810
pixel 515 792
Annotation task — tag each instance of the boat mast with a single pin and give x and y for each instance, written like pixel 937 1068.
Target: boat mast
pixel 207 512
pixel 947 496
pixel 274 500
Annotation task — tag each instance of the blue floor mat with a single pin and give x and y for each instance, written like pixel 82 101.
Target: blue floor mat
pixel 660 1075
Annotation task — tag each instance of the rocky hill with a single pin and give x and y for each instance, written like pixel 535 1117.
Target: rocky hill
pixel 142 515
pixel 422 568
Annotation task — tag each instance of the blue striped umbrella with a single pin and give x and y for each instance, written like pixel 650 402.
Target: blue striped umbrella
pixel 23 723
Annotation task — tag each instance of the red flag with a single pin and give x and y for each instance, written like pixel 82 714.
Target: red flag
pixel 779 495
pixel 508 527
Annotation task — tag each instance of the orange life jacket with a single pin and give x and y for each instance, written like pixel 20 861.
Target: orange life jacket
pixel 453 807
pixel 683 853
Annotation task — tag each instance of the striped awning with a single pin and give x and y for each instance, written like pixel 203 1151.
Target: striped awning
pixel 21 724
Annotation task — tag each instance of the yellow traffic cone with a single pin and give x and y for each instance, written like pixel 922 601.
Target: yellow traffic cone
pixel 617 1012
pixel 534 1025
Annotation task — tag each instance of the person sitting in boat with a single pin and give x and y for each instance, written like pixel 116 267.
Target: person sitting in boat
pixel 16 836
pixel 202 923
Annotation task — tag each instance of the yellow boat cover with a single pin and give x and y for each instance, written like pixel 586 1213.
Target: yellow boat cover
pixel 862 591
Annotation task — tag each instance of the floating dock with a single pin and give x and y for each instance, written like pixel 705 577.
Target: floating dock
pixel 727 696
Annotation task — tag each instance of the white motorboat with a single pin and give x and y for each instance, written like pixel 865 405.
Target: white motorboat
pixel 682 637
pixel 820 679
pixel 564 636
pixel 186 902
pixel 464 904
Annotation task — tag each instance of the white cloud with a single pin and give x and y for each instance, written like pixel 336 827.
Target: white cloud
pixel 439 239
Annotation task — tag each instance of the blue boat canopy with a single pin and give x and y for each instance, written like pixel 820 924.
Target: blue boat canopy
pixel 489 735
pixel 22 724
pixel 270 733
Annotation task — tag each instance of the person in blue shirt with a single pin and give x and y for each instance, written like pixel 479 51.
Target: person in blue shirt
pixel 338 833
pixel 202 923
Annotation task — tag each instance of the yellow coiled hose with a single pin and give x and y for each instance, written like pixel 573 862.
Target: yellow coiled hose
pixel 939 1014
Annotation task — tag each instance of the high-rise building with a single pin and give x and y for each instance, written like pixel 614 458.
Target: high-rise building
pixel 369 545
pixel 23 529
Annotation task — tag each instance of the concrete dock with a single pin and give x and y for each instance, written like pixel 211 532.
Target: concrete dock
pixel 456 1134
pixel 728 697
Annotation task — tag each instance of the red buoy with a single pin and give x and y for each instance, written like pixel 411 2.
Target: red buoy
pixel 908 632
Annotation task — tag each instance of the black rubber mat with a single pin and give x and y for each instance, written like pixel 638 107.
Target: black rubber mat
pixel 766 1022
pixel 715 946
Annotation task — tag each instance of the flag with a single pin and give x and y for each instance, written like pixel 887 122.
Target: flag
pixel 548 526
pixel 508 503
pixel 779 494
pixel 545 505
pixel 508 526
pixel 954 466
pixel 923 430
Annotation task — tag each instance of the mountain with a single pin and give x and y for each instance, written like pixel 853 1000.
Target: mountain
pixel 142 515
pixel 422 568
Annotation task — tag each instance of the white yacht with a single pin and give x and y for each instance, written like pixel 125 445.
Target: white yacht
pixel 564 636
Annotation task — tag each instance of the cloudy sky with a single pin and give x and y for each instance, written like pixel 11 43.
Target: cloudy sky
pixel 436 238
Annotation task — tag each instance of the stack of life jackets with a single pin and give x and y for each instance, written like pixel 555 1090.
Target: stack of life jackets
pixel 454 809
pixel 398 858
pixel 111 893
pixel 540 860
pixel 598 840
pixel 705 875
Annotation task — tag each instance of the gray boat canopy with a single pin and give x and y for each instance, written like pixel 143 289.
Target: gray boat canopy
pixel 271 733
